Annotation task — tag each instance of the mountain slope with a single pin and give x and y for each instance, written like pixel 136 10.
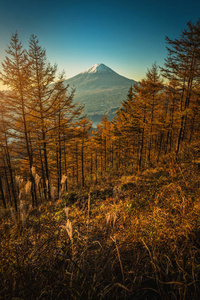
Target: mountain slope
pixel 100 88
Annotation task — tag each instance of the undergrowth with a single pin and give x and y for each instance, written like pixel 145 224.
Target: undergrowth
pixel 142 244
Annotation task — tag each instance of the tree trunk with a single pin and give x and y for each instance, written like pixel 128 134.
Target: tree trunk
pixel 2 194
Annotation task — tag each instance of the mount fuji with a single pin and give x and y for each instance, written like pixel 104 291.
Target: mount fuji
pixel 100 89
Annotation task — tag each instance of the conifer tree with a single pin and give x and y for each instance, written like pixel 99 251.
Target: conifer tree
pixel 183 65
pixel 42 76
pixel 151 87
pixel 17 77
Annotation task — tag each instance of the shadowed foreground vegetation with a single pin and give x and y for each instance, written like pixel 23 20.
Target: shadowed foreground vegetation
pixel 141 242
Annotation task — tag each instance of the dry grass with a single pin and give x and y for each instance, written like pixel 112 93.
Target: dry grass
pixel 144 245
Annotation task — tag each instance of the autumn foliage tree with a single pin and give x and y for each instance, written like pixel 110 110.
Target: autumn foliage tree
pixel 43 128
pixel 42 114
pixel 182 66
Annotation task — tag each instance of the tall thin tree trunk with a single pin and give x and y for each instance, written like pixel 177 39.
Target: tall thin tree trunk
pixel 2 194
pixel 43 174
pixel 7 184
pixel 77 173
pixel 12 183
pixel 82 165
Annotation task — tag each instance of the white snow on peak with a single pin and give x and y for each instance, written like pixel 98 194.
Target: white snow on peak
pixel 98 68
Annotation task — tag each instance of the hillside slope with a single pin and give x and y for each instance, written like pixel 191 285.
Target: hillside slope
pixel 143 243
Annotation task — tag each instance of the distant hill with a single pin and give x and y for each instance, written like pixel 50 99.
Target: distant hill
pixel 100 89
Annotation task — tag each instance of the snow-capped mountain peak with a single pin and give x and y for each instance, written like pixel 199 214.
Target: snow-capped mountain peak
pixel 100 89
pixel 98 68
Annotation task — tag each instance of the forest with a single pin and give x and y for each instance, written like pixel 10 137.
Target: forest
pixel 105 213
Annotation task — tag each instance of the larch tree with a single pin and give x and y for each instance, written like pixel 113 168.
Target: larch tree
pixel 42 76
pixel 16 77
pixel 183 65
pixel 127 126
pixel 151 86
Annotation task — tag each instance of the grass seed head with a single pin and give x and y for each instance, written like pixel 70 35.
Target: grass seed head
pixel 66 210
pixel 63 179
pixel 33 171
pixel 53 190
pixel 69 228
pixel 37 179
pixel 107 218
pixel 28 187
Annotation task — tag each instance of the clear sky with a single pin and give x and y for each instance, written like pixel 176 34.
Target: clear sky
pixel 128 36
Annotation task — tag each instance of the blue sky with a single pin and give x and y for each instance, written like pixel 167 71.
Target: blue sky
pixel 128 36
